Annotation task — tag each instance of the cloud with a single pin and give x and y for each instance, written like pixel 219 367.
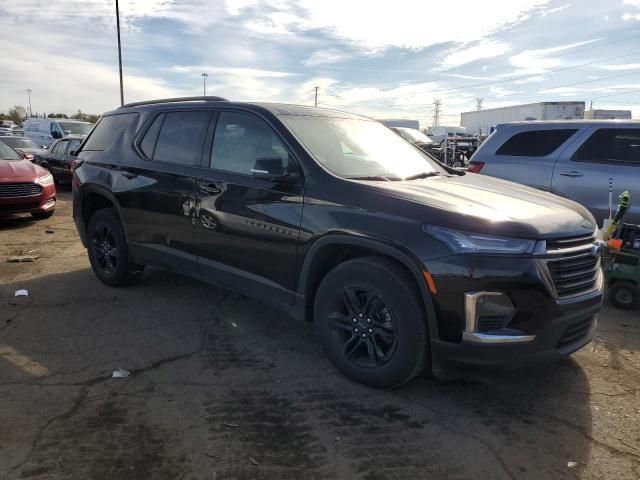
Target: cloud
pixel 234 71
pixel 541 60
pixel 624 66
pixel 466 54
pixel 323 57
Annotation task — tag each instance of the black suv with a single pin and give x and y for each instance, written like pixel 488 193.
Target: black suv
pixel 399 261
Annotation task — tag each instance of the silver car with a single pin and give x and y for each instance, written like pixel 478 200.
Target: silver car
pixel 575 159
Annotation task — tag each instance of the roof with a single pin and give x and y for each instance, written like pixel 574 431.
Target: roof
pixel 575 123
pixel 274 108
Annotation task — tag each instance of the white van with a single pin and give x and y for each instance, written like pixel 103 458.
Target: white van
pixel 44 131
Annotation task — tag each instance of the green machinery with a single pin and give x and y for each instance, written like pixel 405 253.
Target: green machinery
pixel 622 260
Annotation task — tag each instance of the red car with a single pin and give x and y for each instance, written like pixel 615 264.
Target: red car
pixel 24 187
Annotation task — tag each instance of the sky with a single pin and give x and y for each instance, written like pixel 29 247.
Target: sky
pixel 386 59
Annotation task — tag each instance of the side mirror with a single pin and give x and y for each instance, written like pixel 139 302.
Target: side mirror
pixel 56 134
pixel 271 168
pixel 72 153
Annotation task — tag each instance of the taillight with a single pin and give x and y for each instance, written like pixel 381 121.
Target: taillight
pixel 475 167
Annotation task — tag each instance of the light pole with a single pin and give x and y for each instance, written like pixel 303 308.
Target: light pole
pixel 204 83
pixel 29 93
pixel 316 100
pixel 119 53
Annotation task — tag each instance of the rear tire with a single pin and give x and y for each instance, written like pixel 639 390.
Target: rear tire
pixel 42 215
pixel 624 295
pixel 371 323
pixel 108 250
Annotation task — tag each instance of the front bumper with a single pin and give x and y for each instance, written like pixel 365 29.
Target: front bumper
pixel 41 203
pixel 532 325
pixel 560 337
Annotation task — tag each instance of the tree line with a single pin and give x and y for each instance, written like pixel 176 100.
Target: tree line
pixel 18 114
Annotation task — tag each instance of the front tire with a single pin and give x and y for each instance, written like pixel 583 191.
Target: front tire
pixel 371 323
pixel 108 250
pixel 624 295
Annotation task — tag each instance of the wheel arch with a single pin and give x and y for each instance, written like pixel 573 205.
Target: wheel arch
pixel 93 198
pixel 333 249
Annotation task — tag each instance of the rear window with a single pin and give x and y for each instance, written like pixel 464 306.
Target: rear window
pixel 108 130
pixel 536 143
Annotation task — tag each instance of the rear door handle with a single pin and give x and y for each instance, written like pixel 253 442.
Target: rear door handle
pixel 208 188
pixel 572 173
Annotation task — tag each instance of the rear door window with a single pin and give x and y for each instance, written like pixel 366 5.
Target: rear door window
pixel 61 148
pixel 536 143
pixel 181 138
pixel 611 145
pixel 108 130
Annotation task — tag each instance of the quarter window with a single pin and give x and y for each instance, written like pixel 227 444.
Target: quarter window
pixel 182 137
pixel 537 143
pixel 108 130
pixel 240 140
pixel 148 143
pixel 611 145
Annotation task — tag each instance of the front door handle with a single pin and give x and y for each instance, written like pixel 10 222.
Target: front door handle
pixel 572 173
pixel 208 188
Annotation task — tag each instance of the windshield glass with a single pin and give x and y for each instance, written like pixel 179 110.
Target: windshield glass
pixel 76 128
pixel 414 135
pixel 18 142
pixel 358 148
pixel 8 153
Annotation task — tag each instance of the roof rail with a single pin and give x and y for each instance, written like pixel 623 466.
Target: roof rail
pixel 174 100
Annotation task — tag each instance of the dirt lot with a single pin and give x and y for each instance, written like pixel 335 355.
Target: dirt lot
pixel 223 387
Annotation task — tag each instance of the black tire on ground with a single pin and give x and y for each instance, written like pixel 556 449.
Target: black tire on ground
pixel 42 215
pixel 371 322
pixel 624 295
pixel 108 251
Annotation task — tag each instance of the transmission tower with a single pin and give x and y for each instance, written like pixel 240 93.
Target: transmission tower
pixel 479 104
pixel 437 103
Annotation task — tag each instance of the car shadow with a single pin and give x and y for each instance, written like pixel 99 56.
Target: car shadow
pixel 16 221
pixel 236 359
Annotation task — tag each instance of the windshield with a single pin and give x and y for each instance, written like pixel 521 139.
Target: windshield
pixel 8 153
pixel 414 135
pixel 18 142
pixel 352 148
pixel 76 128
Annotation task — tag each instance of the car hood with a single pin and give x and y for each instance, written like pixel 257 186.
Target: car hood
pixel 489 205
pixel 19 170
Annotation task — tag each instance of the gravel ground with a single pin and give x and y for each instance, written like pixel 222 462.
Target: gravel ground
pixel 222 387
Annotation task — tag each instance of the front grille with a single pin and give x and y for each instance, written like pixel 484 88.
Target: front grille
pixel 18 207
pixel 575 332
pixel 10 190
pixel 573 266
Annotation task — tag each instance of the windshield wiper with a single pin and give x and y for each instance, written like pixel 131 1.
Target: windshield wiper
pixel 375 177
pixel 422 175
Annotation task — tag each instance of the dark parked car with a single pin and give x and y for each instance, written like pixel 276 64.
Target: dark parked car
pixel 399 262
pixel 24 187
pixel 60 157
pixel 26 147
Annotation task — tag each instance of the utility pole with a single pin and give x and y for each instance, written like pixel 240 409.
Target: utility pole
pixel 204 83
pixel 29 93
pixel 437 103
pixel 479 104
pixel 119 53
pixel 591 105
pixel 316 100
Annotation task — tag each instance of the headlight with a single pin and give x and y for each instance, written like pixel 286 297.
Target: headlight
pixel 467 242
pixel 45 180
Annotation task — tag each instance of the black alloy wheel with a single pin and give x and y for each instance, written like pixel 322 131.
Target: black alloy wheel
pixel 371 321
pixel 105 248
pixel 108 250
pixel 363 328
